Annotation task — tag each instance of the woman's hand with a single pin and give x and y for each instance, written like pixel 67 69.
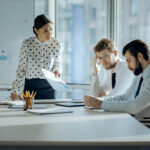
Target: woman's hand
pixel 57 74
pixel 14 96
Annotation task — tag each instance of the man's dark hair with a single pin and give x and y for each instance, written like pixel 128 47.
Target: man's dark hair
pixel 135 47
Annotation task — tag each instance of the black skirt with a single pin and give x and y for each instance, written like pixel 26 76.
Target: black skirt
pixel 41 87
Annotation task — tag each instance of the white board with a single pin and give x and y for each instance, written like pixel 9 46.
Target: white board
pixel 16 22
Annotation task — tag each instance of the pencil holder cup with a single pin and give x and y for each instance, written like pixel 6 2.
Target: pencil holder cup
pixel 29 99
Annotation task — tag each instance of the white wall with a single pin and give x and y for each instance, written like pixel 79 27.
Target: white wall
pixel 16 21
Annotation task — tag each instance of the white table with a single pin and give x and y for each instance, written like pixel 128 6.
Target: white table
pixel 80 128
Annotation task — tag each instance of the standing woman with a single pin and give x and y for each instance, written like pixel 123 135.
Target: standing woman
pixel 40 51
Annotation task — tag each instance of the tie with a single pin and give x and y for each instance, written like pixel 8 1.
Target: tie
pixel 138 89
pixel 113 80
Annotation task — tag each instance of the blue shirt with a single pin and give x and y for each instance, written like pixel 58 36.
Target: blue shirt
pixel 127 101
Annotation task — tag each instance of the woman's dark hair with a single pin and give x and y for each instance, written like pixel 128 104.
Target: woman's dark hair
pixel 40 21
pixel 135 47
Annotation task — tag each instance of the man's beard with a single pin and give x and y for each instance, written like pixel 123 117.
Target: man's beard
pixel 139 68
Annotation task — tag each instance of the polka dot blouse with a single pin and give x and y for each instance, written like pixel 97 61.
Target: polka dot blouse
pixel 34 56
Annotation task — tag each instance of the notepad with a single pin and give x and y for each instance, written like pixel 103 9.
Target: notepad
pixel 49 111
pixel 22 106
pixel 10 102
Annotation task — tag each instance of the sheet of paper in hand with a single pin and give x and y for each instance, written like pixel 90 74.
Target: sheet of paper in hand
pixel 56 82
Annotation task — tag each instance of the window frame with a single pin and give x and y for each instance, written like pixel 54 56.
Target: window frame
pixel 112 24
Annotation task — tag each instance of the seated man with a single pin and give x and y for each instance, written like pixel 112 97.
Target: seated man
pixel 118 77
pixel 137 97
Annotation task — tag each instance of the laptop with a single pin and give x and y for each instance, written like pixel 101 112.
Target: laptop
pixel 71 104
pixel 54 101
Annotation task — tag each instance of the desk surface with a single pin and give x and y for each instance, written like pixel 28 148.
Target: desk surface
pixel 82 127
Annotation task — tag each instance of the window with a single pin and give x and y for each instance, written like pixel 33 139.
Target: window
pixel 93 12
pixel 134 7
pixel 133 23
pixel 80 25
pixel 41 7
pixel 93 36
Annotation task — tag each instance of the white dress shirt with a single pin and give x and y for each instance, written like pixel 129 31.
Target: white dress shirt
pixel 123 78
pixel 34 56
pixel 127 101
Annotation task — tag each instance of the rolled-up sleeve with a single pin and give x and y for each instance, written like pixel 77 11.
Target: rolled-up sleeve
pixel 18 84
pixel 97 86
